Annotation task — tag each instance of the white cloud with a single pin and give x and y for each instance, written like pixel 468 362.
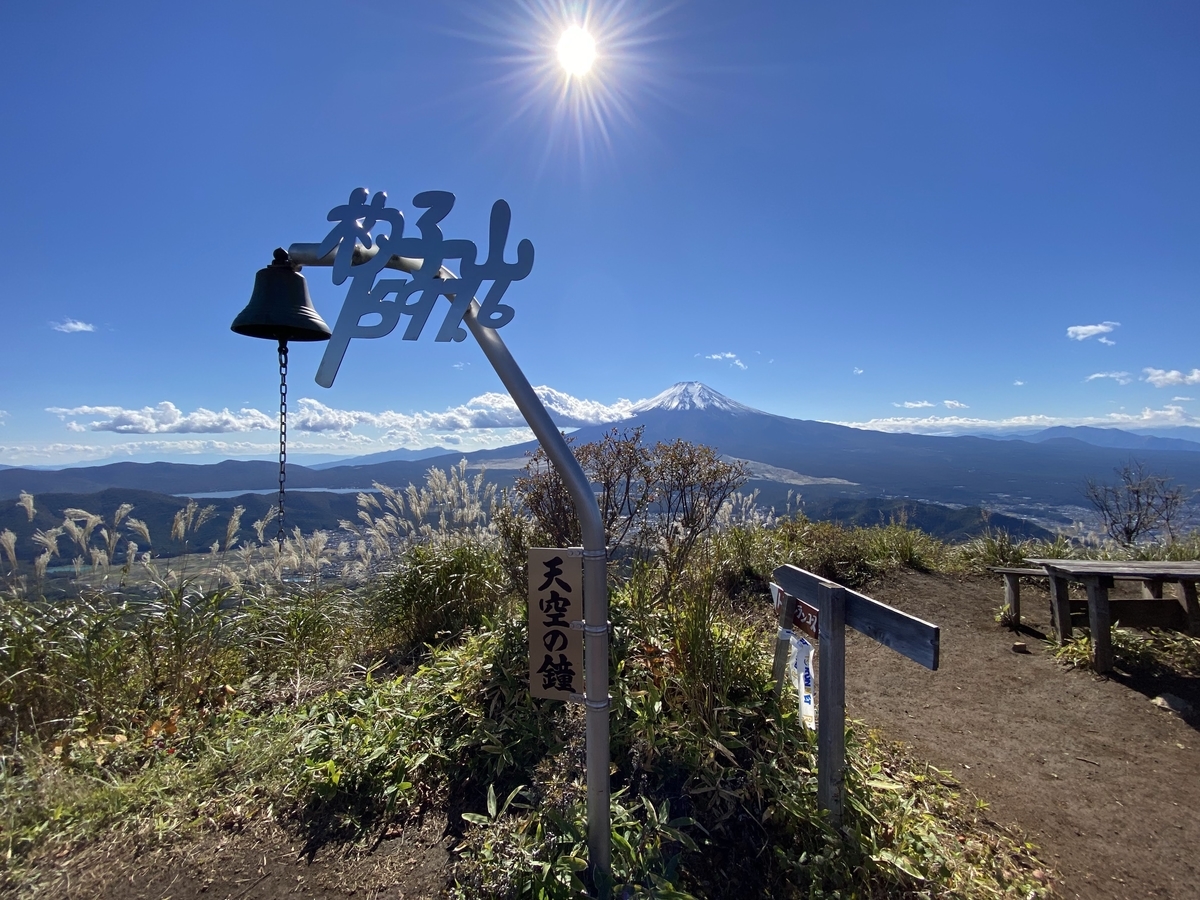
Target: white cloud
pixel 954 404
pixel 491 410
pixel 732 357
pixel 1018 383
pixel 1167 417
pixel 857 370
pixel 1167 378
pixel 346 445
pixel 487 411
pixel 72 325
pixel 1106 342
pixel 1182 399
pixel 1083 332
pixel 1118 377
pixel 913 404
pixel 165 418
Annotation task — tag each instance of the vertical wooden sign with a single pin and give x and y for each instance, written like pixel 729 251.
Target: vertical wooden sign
pixel 555 601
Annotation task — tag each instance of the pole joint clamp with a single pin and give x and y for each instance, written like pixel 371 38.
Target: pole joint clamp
pixel 591 704
pixel 581 625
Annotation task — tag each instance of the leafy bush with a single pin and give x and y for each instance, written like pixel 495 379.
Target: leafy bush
pixel 437 592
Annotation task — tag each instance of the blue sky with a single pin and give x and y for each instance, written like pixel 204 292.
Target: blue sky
pixel 928 216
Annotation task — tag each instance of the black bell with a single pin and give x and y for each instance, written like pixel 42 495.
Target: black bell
pixel 280 308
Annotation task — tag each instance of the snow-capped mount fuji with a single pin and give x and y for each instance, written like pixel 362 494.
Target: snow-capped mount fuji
pixel 820 459
pixel 688 395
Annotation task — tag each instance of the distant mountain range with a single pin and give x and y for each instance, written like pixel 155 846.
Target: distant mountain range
pixel 400 454
pixel 1039 476
pixel 1107 437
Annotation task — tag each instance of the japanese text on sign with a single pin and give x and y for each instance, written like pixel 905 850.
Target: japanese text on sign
pixel 555 601
pixel 805 619
pixel 392 298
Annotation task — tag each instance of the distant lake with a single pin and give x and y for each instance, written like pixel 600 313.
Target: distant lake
pixel 222 495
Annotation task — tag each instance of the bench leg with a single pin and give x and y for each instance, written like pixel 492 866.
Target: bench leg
pixel 1012 597
pixel 1101 623
pixel 1152 590
pixel 1060 608
pixel 1190 606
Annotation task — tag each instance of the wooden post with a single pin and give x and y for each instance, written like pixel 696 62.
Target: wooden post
pixel 831 709
pixel 783 643
pixel 1188 591
pixel 1060 606
pixel 1012 597
pixel 1100 621
pixel 1152 589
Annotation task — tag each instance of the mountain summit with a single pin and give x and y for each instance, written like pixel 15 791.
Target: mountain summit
pixel 691 395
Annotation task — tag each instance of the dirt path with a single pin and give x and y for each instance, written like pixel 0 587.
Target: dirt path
pixel 1102 780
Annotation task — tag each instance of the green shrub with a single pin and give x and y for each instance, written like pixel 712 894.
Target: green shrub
pixel 993 548
pixel 439 590
pixel 828 550
pixel 1150 652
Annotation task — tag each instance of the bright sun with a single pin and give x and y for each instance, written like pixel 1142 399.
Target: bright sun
pixel 576 51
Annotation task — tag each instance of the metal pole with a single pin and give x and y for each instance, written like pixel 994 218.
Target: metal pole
pixel 595 557
pixel 595 589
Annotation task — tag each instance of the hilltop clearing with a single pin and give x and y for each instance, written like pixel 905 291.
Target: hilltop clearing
pixel 1087 769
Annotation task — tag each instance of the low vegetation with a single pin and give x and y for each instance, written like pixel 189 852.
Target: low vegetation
pixel 339 685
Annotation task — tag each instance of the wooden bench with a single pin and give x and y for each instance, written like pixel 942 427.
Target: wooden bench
pixel 1134 613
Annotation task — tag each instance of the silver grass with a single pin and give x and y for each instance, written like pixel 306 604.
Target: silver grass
pixel 204 515
pixel 48 540
pixel 182 523
pixel 392 498
pixel 231 576
pixel 8 541
pixel 73 531
pixel 25 501
pixel 140 528
pixel 112 535
pixel 231 530
pixel 39 566
pixel 79 524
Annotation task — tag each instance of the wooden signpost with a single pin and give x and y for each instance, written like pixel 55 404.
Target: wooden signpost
pixel 808 601
pixel 555 626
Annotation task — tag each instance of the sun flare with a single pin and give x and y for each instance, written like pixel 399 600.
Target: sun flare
pixel 581 73
pixel 576 51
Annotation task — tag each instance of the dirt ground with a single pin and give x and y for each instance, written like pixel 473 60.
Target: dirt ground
pixel 260 863
pixel 1104 782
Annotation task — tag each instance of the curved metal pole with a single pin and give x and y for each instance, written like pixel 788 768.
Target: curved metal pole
pixel 595 557
pixel 595 589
